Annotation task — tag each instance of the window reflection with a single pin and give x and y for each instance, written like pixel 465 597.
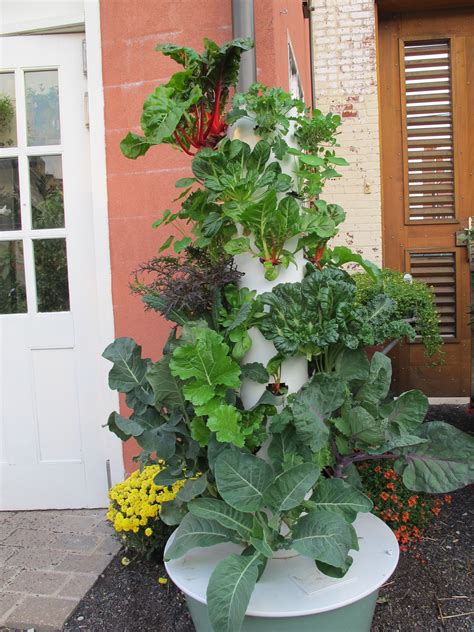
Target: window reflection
pixel 7 110
pixel 52 289
pixel 12 278
pixel 42 107
pixel 46 185
pixel 9 195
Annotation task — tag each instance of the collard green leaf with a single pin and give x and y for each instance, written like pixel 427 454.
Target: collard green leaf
pixel 324 536
pixel 407 411
pixel 442 464
pixel 196 532
pixel 229 590
pixel 290 487
pixel 380 376
pixel 335 571
pixel 221 512
pixel 113 427
pixel 166 386
pixel 128 372
pixel 241 479
pixel 353 365
pixel 313 405
pixel 192 488
pixel 172 512
pixel 335 495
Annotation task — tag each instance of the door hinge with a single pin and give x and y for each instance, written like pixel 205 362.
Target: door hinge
pixel 307 8
pixel 84 57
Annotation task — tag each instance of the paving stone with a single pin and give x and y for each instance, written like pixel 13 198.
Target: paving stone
pixel 7 601
pixel 78 585
pixel 30 538
pixel 76 542
pixel 104 528
pixel 6 573
pixel 6 529
pixel 73 524
pixel 109 544
pixel 5 553
pixel 38 582
pixel 41 559
pixel 42 613
pixel 93 563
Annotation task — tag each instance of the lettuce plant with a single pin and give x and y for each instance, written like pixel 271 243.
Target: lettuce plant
pixel 302 491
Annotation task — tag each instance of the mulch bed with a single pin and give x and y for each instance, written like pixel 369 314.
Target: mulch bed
pixel 431 590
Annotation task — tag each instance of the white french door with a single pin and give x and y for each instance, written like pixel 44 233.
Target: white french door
pixel 52 449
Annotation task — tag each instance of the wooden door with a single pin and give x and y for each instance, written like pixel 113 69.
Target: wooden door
pixel 426 63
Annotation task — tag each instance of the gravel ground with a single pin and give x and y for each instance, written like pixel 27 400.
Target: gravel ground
pixel 439 581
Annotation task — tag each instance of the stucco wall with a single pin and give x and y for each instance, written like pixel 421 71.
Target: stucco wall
pixel 345 80
pixel 139 191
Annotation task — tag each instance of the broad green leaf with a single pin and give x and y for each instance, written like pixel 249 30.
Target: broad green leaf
pixel 159 304
pixel 237 246
pixel 159 441
pixel 256 372
pixel 224 421
pixel 380 376
pixel 172 512
pixel 196 532
pixel 336 160
pixel 352 365
pixel 166 244
pixel 364 427
pixel 192 488
pixel 241 479
pixel 442 464
pixel 113 427
pixel 182 183
pixel 334 571
pixel 182 244
pixel 128 372
pixel 290 487
pixel 408 411
pixel 334 494
pixel 133 146
pixel 205 365
pixel 199 431
pixel 314 404
pixel 312 161
pixel 166 387
pixel 324 536
pixel 283 449
pixel 229 590
pixel 228 517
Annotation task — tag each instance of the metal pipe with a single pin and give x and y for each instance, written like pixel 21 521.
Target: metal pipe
pixel 243 25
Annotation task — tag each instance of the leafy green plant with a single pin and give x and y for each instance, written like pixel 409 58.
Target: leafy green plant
pixel 320 317
pixel 187 112
pixel 414 300
pixel 302 491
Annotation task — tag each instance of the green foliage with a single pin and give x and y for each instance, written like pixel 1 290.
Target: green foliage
pixel 187 111
pixel 302 490
pixel 412 301
pixel 271 109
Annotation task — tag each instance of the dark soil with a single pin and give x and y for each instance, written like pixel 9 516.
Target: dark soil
pixel 432 583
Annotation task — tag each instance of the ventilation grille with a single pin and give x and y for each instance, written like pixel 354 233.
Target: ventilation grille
pixel 438 269
pixel 429 130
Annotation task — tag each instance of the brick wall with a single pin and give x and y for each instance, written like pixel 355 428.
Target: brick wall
pixel 345 77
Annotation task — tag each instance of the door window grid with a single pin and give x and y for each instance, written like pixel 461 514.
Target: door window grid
pixel 428 131
pixel 28 233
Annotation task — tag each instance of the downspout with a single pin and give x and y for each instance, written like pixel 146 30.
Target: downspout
pixel 311 52
pixel 243 25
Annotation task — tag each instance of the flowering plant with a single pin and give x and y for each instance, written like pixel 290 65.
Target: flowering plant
pixel 409 515
pixel 279 473
pixel 134 510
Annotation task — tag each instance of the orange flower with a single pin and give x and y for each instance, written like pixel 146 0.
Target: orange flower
pixel 436 511
pixel 377 469
pixel 384 496
pixel 405 516
pixel 412 501
pixel 448 499
pixel 391 486
pixel 394 498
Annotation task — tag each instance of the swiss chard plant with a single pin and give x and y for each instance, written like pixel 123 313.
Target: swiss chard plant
pixel 282 473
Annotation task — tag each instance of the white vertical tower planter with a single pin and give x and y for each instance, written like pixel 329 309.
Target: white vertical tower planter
pixel 294 371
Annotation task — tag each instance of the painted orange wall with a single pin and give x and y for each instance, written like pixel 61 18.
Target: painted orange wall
pixel 139 191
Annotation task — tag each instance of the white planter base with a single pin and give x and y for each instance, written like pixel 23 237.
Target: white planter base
pixel 293 591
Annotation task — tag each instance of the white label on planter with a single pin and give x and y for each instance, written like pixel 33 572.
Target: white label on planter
pixel 316 582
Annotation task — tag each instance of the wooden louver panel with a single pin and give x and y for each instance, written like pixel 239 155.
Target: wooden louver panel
pixel 429 131
pixel 438 269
